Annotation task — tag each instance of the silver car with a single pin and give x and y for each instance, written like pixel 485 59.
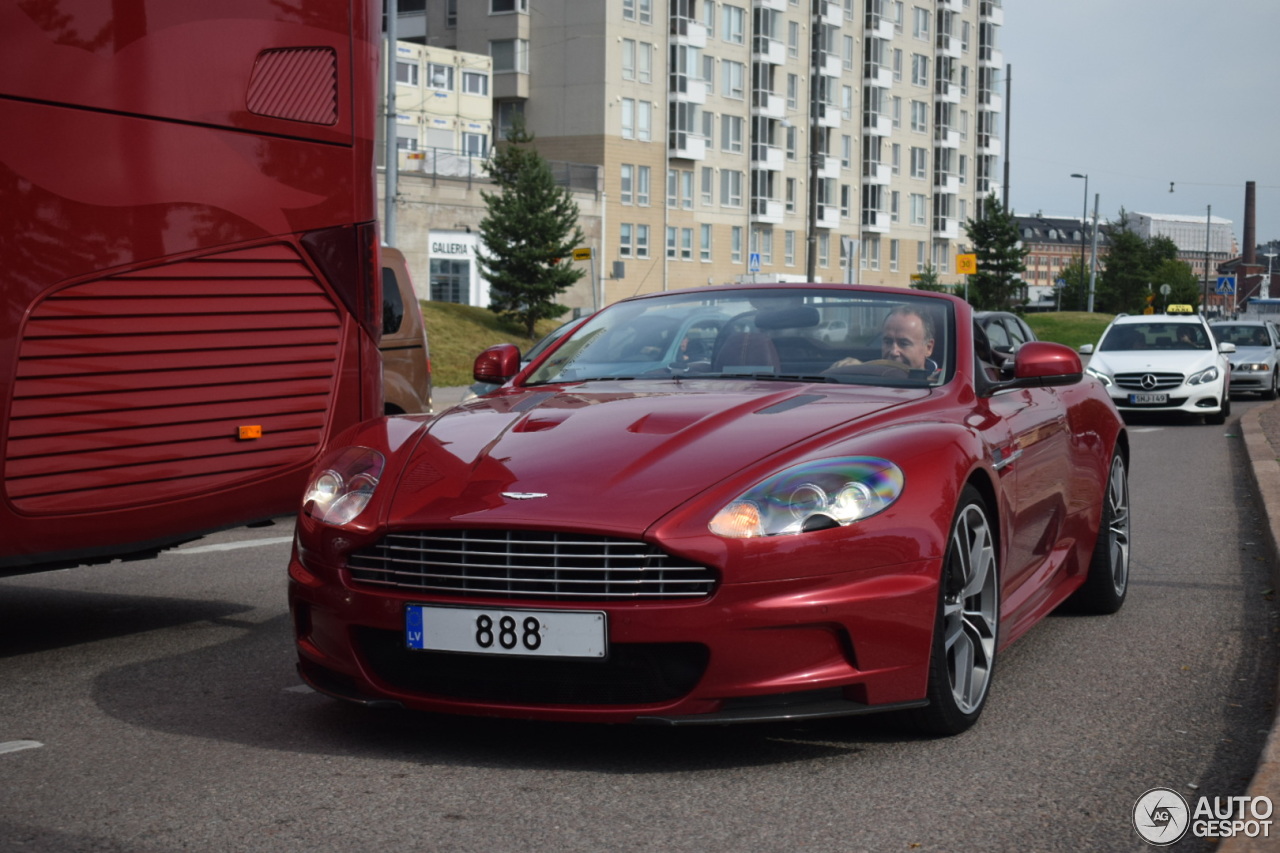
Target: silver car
pixel 1254 363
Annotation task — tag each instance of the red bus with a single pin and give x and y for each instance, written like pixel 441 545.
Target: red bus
pixel 188 264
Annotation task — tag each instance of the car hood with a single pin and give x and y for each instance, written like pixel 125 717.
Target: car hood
pixel 1252 354
pixel 613 454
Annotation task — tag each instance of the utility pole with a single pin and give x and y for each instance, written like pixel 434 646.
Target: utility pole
pixel 392 170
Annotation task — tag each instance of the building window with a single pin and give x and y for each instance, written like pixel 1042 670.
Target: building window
pixel 919 23
pixel 790 197
pixel 673 190
pixel 846 151
pixel 704 244
pixel 789 248
pixel 510 55
pixel 475 83
pixel 499 6
pixel 642 186
pixel 627 191
pixel 894 203
pixel 475 144
pixel 686 190
pixel 671 241
pixel 791 143
pixel 628 59
pixel 897 65
pixel 507 111
pixel 644 120
pixel 644 62
pixel 407 73
pixel 642 241
pixel 730 188
pixel 793 39
pixel 709 128
pixel 893 256
pixel 731 133
pixel 626 240
pixel 735 244
pixel 919 70
pixel 793 92
pixel 897 111
pixel 628 118
pixel 917 209
pixel 686 244
pixel 919 116
pixel 919 162
pixel 920 257
pixel 450 280
pixel 708 186
pixel 824 250
pixel 735 24
pixel 439 76
pixel 733 78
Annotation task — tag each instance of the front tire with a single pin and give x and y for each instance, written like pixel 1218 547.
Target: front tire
pixel 1107 583
pixel 965 631
pixel 1271 393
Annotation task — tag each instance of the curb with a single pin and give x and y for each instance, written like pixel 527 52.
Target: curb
pixel 1265 470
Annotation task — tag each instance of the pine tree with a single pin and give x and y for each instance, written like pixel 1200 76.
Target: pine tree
pixel 528 233
pixel 1000 258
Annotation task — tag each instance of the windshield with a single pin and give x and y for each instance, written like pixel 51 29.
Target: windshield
pixel 1155 336
pixel 1243 336
pixel 785 333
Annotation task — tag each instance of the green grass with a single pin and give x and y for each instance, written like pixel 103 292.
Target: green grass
pixel 1073 328
pixel 456 334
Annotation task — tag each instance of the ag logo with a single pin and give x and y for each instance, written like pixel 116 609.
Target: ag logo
pixel 1161 816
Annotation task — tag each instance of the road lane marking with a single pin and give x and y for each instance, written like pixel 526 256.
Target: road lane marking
pixel 19 745
pixel 232 546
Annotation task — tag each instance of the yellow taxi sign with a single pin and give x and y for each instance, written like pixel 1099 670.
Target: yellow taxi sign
pixel 582 254
pixel 1179 309
pixel 966 264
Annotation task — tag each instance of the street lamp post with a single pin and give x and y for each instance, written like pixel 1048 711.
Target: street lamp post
pixel 1084 220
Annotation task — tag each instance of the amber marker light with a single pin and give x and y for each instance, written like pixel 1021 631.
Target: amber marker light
pixel 248 433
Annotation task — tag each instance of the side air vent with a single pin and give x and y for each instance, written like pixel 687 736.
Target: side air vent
pixel 298 84
pixel 133 388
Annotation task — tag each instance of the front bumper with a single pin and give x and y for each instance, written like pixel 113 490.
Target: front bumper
pixel 832 645
pixel 1190 399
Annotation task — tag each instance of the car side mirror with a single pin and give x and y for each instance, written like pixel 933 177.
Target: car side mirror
pixel 1039 364
pixel 1226 348
pixel 1087 349
pixel 497 364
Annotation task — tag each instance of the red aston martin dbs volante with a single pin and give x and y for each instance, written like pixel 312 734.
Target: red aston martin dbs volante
pixel 696 508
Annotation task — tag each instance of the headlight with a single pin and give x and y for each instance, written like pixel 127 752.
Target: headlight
pixel 812 496
pixel 1209 374
pixel 340 490
pixel 1099 375
pixel 1252 367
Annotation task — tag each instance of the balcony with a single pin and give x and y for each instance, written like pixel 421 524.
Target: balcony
pixel 686 146
pixel 830 65
pixel 991 102
pixel 991 12
pixel 874 221
pixel 876 174
pixel 768 105
pixel 950 6
pixel 766 211
pixel 687 32
pixel 877 124
pixel 767 157
pixel 829 116
pixel 687 90
pixel 828 216
pixel 832 15
pixel 990 57
pixel 948 46
pixel 878 27
pixel 947 91
pixel 946 228
pixel 945 137
pixel 989 143
pixel 876 76
pixel 775 5
pixel 946 183
pixel 768 50
pixel 828 166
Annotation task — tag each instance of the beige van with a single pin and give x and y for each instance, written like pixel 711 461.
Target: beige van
pixel 406 358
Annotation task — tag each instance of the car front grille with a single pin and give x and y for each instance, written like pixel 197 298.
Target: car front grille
pixel 1162 381
pixel 542 565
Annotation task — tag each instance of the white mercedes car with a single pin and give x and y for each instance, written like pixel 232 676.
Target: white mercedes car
pixel 1164 363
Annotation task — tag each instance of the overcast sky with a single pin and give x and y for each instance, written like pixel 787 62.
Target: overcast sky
pixel 1141 93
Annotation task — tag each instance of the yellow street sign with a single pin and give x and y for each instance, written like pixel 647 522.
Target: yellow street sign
pixel 582 254
pixel 966 264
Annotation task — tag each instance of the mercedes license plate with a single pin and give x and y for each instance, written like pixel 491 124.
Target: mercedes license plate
pixel 1148 398
pixel 489 631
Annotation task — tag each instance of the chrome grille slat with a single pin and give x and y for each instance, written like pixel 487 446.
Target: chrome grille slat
pixel 1163 381
pixel 529 564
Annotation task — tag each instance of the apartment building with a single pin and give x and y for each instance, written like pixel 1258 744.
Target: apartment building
pixel 753 139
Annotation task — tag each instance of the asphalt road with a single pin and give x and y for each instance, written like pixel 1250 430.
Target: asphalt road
pixel 153 706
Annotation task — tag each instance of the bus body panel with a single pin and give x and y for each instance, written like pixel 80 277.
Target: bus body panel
pixel 190 300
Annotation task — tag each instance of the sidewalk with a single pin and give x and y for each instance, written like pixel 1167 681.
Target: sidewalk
pixel 1261 430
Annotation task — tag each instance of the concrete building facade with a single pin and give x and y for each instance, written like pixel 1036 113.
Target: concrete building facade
pixel 754 139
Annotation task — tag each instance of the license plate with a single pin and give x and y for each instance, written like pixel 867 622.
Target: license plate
pixel 488 631
pixel 1148 398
